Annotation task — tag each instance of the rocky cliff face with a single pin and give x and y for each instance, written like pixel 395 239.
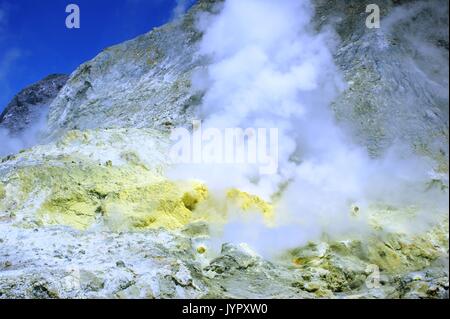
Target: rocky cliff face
pixel 397 76
pixel 31 104
pixel 144 82
pixel 92 213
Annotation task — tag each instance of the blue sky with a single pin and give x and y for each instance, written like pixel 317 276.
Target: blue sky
pixel 35 42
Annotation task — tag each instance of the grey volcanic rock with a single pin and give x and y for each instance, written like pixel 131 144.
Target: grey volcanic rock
pixel 397 75
pixel 60 262
pixel 104 154
pixel 144 82
pixel 28 106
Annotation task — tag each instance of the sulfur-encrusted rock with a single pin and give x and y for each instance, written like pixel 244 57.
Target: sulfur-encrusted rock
pixel 90 213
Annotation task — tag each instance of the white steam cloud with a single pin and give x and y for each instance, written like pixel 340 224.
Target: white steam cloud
pixel 270 68
pixel 13 143
pixel 181 7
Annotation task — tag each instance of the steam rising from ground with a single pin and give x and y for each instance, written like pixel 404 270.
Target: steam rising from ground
pixel 271 69
pixel 13 143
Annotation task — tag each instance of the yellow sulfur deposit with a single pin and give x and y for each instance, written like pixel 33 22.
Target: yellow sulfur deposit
pixel 248 202
pixel 2 191
pixel 201 249
pixel 120 197
pixel 192 198
pixel 2 196
pixel 401 253
pixel 126 190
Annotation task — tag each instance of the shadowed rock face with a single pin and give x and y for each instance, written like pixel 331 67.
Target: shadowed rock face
pixel 31 103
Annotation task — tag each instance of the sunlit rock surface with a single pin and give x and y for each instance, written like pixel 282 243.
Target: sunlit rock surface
pixel 90 213
pixel 397 75
pixel 60 262
pixel 144 82
pixel 109 178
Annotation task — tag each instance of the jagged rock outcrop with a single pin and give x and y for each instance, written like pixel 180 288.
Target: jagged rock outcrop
pixel 60 262
pixel 31 104
pixel 397 75
pixel 144 82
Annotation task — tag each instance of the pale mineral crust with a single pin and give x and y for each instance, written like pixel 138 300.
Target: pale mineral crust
pixel 90 213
